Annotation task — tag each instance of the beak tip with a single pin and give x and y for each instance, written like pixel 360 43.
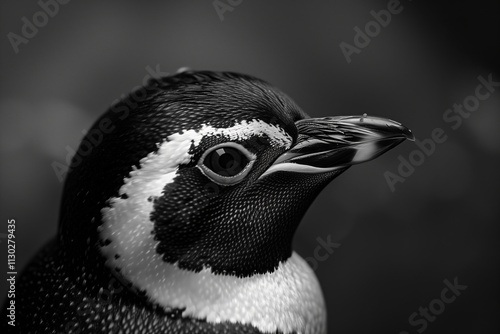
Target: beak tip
pixel 409 135
pixel 399 130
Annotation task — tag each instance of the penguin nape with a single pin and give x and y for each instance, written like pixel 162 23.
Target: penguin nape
pixel 179 210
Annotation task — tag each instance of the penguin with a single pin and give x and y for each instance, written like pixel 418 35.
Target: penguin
pixel 180 207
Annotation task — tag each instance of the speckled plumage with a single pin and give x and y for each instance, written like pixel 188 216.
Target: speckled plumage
pixel 137 217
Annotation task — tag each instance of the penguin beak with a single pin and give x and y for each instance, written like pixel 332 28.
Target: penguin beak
pixel 331 143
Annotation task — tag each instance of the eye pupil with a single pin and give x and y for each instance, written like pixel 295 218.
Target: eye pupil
pixel 226 161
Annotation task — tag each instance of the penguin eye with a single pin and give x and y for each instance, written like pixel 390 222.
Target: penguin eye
pixel 227 163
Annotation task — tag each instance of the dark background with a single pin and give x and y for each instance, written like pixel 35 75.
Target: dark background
pixel 396 247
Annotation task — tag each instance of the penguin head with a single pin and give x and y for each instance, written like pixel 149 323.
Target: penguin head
pixel 207 170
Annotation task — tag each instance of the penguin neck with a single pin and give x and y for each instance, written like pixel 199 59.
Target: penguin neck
pixel 288 299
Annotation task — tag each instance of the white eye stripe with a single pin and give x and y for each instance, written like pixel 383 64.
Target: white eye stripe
pixel 248 129
pixel 242 131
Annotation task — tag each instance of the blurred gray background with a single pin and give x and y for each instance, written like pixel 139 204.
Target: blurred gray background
pixel 397 247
